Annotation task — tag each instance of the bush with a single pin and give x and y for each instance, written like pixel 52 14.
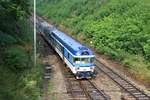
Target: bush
pixel 16 59
pixel 6 40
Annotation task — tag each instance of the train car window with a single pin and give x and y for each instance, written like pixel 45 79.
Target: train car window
pixel 76 60
pixel 62 50
pixel 68 55
pixel 59 47
pixel 85 53
pixel 54 42
pixel 85 60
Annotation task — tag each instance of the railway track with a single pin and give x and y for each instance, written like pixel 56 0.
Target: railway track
pixel 82 89
pixel 92 92
pixel 122 82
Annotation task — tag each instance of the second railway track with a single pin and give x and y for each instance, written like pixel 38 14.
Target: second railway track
pixel 122 82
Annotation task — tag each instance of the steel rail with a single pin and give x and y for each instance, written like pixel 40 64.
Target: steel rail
pixel 122 82
pixel 92 92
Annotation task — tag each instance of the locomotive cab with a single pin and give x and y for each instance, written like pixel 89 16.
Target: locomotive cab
pixel 84 64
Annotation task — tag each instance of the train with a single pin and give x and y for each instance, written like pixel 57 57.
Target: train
pixel 78 58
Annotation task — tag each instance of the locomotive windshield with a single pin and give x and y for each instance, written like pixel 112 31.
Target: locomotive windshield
pixel 83 60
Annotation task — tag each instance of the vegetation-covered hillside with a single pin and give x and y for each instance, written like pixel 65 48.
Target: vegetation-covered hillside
pixel 19 79
pixel 119 29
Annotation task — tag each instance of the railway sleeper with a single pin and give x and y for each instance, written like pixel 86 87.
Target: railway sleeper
pixel 131 89
pixel 78 99
pixel 140 95
pixel 126 85
pixel 120 80
pixel 48 67
pixel 136 93
pixel 47 77
pixel 116 78
pixel 144 98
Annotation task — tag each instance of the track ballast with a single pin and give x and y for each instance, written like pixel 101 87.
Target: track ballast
pixel 122 82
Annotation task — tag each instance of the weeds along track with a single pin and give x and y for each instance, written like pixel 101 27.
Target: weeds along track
pixel 44 50
pixel 122 82
pixel 82 89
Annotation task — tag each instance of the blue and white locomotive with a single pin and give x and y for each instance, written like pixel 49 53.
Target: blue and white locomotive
pixel 77 57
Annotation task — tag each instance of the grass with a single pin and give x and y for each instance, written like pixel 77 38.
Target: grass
pixel 50 89
pixel 138 65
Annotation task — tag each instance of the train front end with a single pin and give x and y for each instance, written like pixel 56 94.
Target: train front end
pixel 84 65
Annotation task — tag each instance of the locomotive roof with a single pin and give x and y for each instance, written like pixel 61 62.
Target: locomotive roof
pixel 72 45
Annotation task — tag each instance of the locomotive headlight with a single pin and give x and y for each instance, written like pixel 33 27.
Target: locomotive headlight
pixel 92 68
pixel 77 68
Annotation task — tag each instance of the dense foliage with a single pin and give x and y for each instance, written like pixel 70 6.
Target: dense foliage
pixel 117 28
pixel 19 79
